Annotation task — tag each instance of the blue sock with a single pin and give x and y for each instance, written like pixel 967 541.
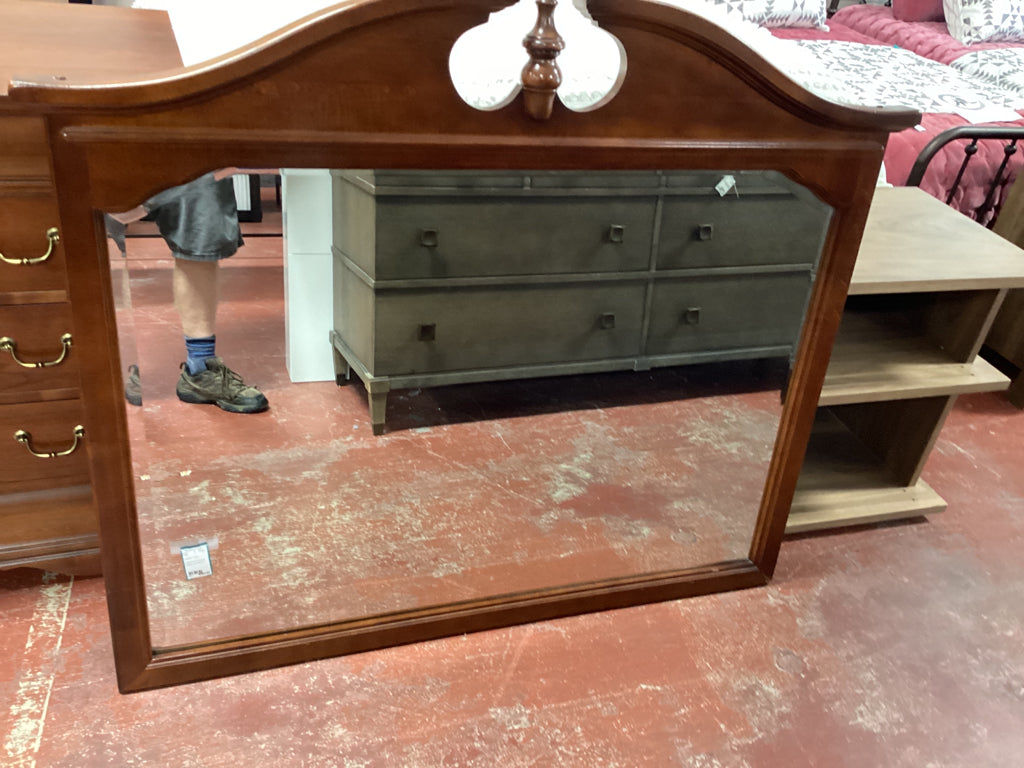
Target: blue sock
pixel 197 350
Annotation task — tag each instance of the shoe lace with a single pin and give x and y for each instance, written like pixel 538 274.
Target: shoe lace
pixel 231 381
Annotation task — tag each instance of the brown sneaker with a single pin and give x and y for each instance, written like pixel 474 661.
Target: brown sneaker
pixel 220 385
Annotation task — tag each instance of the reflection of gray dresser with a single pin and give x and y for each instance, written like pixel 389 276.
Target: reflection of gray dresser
pixel 452 277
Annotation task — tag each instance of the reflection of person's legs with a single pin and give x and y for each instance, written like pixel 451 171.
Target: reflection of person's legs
pixel 196 292
pixel 204 377
pixel 199 223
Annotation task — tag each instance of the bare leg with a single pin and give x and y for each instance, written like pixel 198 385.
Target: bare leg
pixel 195 298
pixel 196 294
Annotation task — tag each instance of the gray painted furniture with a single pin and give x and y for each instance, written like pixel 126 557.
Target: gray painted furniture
pixel 448 278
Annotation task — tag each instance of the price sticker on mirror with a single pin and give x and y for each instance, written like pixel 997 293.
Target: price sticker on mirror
pixel 196 559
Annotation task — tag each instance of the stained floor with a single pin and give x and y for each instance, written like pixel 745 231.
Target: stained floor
pixel 898 645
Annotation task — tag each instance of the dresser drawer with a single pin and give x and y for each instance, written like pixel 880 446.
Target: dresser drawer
pixel 24 221
pixel 24 149
pixel 36 333
pixel 51 523
pixel 51 426
pixel 713 231
pixel 419 238
pixel 727 313
pixel 432 331
pixel 541 230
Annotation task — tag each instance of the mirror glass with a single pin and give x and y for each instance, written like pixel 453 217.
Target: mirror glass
pixel 480 383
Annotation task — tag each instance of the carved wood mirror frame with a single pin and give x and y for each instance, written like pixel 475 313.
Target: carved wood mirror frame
pixel 366 85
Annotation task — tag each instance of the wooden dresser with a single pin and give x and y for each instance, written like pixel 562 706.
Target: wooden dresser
pixel 446 278
pixel 47 513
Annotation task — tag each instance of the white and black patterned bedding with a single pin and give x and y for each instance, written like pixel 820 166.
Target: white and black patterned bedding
pixel 1002 67
pixel 874 75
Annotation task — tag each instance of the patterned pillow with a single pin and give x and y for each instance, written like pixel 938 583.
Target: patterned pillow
pixel 985 21
pixel 780 13
pixel 1002 67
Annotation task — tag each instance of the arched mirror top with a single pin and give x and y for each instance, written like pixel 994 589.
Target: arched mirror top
pixel 363 32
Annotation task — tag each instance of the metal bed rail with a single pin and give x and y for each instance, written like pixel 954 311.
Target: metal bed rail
pixel 973 134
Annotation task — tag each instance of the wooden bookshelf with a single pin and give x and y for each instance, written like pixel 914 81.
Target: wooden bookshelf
pixel 927 286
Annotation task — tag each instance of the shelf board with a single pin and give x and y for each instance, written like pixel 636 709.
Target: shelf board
pixel 873 360
pixel 843 484
pixel 843 507
pixel 915 243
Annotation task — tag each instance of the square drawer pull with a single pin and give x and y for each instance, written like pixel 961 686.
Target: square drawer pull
pixel 428 238
pixel 692 316
pixel 705 231
pixel 427 332
pixel 606 321
pixel 616 233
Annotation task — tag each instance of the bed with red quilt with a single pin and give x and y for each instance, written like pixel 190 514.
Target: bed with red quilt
pixel 961 65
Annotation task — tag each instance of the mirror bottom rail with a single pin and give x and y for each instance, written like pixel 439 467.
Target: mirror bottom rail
pixel 174 666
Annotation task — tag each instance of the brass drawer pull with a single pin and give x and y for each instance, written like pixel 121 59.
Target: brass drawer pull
pixel 25 439
pixel 7 344
pixel 53 235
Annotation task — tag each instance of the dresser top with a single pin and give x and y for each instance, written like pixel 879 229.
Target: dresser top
pixel 103 43
pixel 915 243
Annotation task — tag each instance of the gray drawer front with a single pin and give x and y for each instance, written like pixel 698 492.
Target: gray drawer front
pixel 498 327
pixel 419 237
pixel 354 310
pixel 723 313
pixel 726 231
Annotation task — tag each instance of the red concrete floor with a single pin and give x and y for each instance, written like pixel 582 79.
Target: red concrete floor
pixel 898 645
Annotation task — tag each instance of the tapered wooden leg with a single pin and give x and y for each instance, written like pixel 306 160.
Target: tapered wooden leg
pixel 378 393
pixel 342 370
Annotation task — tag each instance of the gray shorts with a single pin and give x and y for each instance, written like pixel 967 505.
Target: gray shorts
pixel 198 220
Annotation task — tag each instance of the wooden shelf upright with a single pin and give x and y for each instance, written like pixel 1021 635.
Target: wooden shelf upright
pixel 927 285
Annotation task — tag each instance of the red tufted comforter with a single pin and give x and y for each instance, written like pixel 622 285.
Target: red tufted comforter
pixel 930 39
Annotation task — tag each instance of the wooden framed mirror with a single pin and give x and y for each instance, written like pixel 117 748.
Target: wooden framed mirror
pixel 366 85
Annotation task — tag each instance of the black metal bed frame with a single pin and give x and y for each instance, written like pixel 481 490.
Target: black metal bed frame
pixel 1011 135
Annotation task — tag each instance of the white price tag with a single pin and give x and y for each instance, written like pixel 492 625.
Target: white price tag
pixel 196 560
pixel 726 184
